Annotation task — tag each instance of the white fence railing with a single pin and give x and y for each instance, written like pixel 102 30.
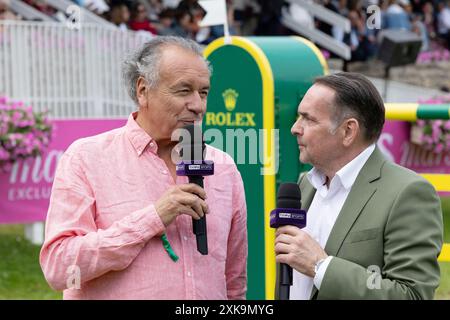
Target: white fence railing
pixel 72 73
pixel 318 37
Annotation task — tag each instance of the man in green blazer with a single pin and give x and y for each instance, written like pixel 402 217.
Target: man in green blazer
pixel 374 229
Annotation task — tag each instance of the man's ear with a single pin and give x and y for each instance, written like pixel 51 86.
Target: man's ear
pixel 141 92
pixel 351 131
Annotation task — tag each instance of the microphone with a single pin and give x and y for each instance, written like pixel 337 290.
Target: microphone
pixel 195 168
pixel 288 212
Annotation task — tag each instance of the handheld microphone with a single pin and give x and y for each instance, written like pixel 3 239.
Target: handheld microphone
pixel 195 168
pixel 288 212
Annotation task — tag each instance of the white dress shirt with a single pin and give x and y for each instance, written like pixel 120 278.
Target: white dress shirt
pixel 322 215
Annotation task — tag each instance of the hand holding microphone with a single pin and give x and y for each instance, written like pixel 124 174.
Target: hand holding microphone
pixel 294 248
pixel 195 168
pixel 288 212
pixel 298 249
pixel 182 199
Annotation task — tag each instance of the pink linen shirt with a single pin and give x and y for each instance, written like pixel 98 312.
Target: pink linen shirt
pixel 102 225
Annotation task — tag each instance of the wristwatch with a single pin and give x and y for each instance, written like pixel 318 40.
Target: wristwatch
pixel 317 265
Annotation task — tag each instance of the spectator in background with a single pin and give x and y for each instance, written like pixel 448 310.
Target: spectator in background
pixel 182 25
pixel 418 27
pixel 166 22
pixel 356 38
pixel 406 5
pixel 245 16
pixel 417 6
pixel 443 20
pixel 428 19
pixel 395 16
pixel 42 6
pixel 196 14
pixel 154 8
pixel 119 15
pixel 139 19
pixel 269 19
pixel 361 43
pixel 342 7
pixel 5 12
pixel 190 6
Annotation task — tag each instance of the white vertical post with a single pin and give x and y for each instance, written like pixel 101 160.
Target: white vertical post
pixel 34 232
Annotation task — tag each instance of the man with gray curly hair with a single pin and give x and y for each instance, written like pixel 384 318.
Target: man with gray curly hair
pixel 119 225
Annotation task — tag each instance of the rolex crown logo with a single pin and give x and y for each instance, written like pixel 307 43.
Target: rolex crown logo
pixel 230 97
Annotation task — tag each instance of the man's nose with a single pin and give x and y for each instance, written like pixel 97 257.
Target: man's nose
pixel 296 128
pixel 196 103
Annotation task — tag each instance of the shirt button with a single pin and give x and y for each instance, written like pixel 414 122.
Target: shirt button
pixel 185 238
pixel 164 172
pixel 189 274
pixel 151 144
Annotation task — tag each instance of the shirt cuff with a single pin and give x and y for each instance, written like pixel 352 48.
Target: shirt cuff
pixel 149 223
pixel 321 272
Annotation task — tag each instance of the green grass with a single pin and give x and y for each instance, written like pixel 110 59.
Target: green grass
pixel 20 273
pixel 21 276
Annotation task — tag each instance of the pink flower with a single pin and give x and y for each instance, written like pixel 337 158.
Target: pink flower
pixel 436 135
pixel 16 116
pixel 4 155
pixel 439 148
pixel 447 125
pixel 437 123
pixel 446 55
pixel 428 140
pixel 23 133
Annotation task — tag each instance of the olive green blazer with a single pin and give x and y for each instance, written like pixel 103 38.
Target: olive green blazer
pixel 391 222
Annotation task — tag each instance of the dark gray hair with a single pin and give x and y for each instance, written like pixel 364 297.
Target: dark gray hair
pixel 145 61
pixel 356 97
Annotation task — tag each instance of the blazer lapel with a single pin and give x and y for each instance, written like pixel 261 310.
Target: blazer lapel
pixel 308 192
pixel 360 193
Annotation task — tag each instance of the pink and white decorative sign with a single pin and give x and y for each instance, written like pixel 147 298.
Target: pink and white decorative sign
pixel 26 189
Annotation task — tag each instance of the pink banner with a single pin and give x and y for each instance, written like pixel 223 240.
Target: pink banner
pixel 394 142
pixel 25 191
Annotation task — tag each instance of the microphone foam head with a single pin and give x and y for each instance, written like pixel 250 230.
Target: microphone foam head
pixel 192 144
pixel 289 196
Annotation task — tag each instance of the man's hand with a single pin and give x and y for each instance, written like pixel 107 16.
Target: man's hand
pixel 296 248
pixel 181 199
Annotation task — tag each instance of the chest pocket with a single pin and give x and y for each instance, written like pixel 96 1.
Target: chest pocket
pixel 363 235
pixel 218 224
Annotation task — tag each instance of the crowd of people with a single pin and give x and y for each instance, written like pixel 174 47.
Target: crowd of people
pixel 430 19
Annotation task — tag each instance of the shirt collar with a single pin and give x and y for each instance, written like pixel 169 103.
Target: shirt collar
pixel 138 137
pixel 346 175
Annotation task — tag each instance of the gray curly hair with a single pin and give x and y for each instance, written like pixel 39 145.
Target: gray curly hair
pixel 145 61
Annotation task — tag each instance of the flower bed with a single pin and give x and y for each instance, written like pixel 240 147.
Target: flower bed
pixel 23 133
pixel 432 135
